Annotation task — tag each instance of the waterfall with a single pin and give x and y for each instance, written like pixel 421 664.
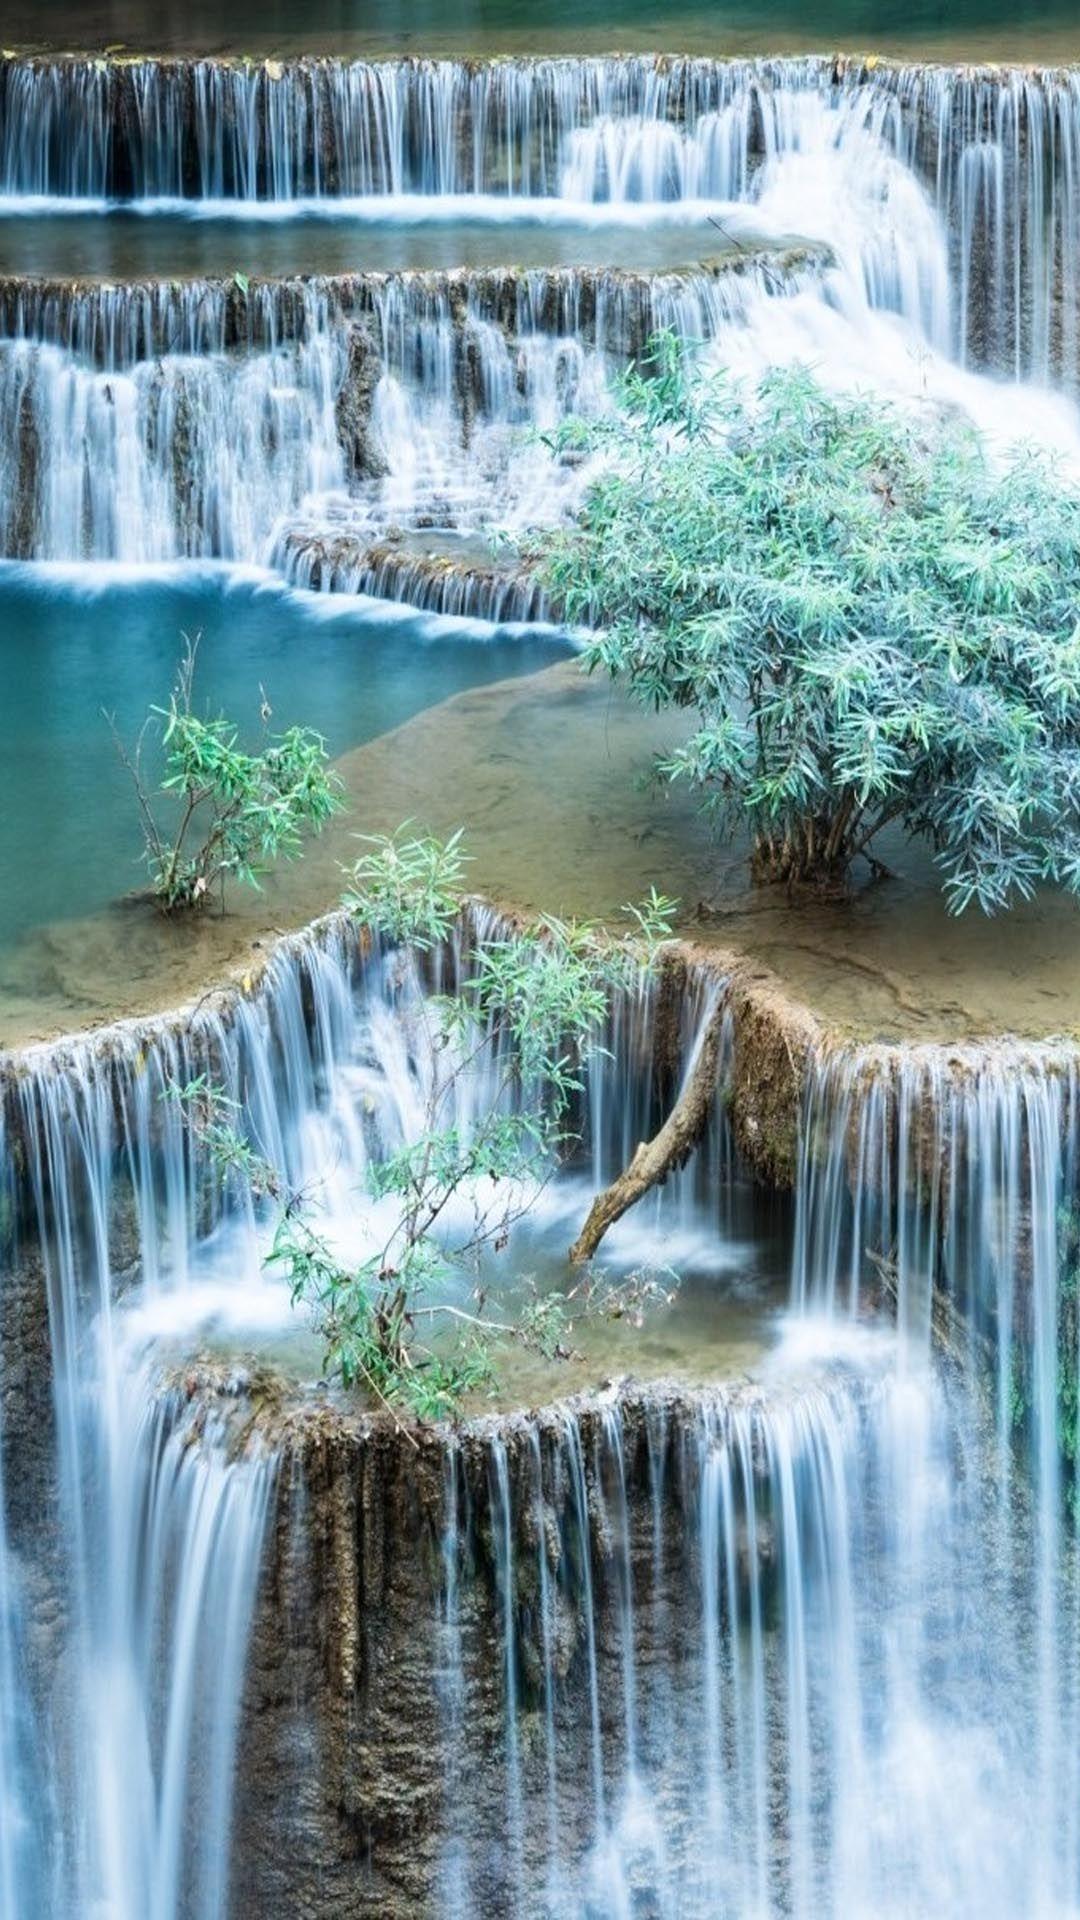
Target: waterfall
pixel 954 1176
pixel 267 423
pixel 697 1702
pixel 444 580
pixel 329 1059
pixel 960 1168
pixel 191 453
pixel 208 129
pixel 799 1646
pixel 996 153
pixel 1003 148
pixel 185 457
pixel 346 430
pixel 161 1514
pixel 868 1624
pixel 24 1787
pixel 713 1651
pixel 114 327
pixel 159 1534
pixel 357 432
pixel 163 1509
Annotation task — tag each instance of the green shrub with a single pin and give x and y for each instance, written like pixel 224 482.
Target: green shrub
pixel 871 623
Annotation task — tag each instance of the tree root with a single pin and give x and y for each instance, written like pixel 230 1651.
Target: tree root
pixel 671 1147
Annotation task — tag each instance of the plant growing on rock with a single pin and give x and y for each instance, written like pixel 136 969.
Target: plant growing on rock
pixel 872 624
pixel 497 1071
pixel 238 812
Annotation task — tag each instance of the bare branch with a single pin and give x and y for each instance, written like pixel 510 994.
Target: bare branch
pixel 669 1148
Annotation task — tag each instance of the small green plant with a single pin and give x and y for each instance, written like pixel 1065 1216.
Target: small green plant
pixel 408 887
pixel 870 623
pixel 411 1323
pixel 237 812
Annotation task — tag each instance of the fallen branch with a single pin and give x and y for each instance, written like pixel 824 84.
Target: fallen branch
pixel 655 1158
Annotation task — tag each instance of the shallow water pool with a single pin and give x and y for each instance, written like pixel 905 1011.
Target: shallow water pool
pixel 79 643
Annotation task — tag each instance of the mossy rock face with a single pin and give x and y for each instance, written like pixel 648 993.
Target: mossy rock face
pixel 775 1042
pixel 364 457
pixel 355 1774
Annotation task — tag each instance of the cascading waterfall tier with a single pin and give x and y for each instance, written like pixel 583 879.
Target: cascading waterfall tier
pixel 211 129
pixel 114 327
pixel 636 1641
pixel 132 1526
pixel 996 151
pixel 482 1627
pixel 137 1504
pixel 256 421
pixel 574 1662
pixel 941 1161
pixel 286 1047
pixel 435 575
pixel 309 423
pixel 948 1181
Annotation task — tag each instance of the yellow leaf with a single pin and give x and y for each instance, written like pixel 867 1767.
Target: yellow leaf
pixel 246 983
pixel 274 69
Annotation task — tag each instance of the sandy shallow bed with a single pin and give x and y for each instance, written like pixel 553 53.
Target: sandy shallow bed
pixel 550 777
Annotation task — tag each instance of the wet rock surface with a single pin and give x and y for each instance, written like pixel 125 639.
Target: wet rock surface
pixel 375 1731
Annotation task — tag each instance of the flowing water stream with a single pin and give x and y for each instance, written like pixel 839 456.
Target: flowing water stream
pixel 773 1613
pixel 877 1626
pixel 254 422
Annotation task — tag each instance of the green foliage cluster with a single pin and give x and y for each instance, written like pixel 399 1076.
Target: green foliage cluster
pixel 214 1120
pixel 238 812
pixel 408 887
pixel 870 621
pixel 506 1049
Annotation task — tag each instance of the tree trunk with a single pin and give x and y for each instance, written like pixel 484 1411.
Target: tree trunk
pixel 669 1148
pixel 808 859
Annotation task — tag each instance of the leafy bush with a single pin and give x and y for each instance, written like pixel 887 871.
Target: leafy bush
pixel 872 623
pixel 238 812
